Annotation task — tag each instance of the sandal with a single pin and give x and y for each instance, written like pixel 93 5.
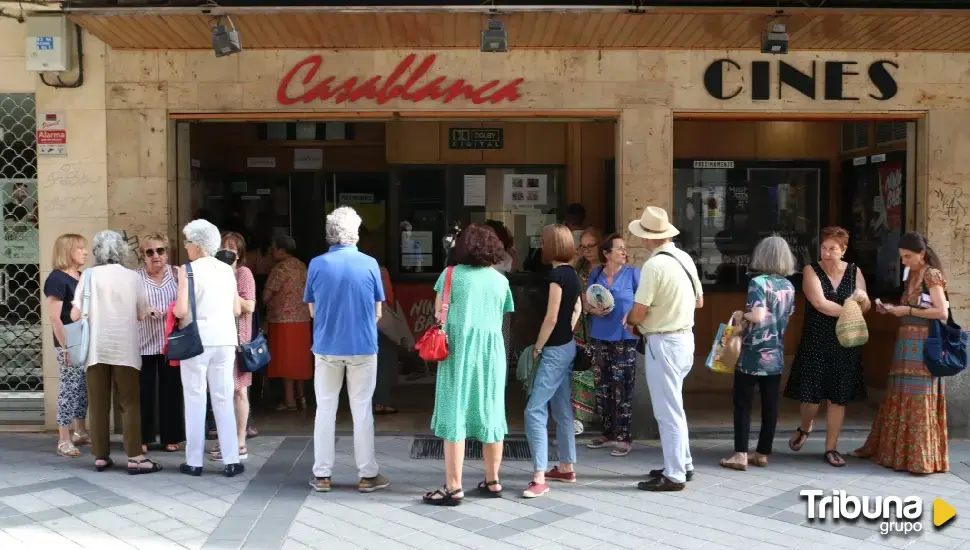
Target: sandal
pixel 67 449
pixel 834 459
pixel 172 448
pixel 138 470
pixel 251 432
pixel 443 497
pixel 102 467
pixel 755 459
pixel 216 453
pixel 484 489
pixel 80 439
pixel 283 407
pixel 601 442
pixel 622 449
pixel 800 437
pixel 731 465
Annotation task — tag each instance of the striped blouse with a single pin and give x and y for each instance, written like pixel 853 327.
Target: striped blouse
pixel 151 331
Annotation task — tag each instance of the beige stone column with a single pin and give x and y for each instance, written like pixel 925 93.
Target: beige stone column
pixel 72 190
pixel 644 153
pixel 947 215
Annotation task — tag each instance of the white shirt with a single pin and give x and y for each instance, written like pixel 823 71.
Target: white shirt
pixel 215 295
pixel 117 295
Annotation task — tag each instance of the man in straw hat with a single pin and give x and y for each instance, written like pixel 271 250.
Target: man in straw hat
pixel 663 312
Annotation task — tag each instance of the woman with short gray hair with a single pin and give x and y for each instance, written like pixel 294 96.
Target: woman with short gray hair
pixel 290 335
pixel 216 307
pixel 770 304
pixel 116 303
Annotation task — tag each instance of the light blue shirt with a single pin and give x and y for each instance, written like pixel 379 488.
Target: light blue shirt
pixel 344 285
pixel 625 283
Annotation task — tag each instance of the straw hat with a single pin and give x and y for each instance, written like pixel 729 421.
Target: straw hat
pixel 653 224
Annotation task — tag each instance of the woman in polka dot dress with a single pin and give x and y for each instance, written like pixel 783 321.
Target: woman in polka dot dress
pixel 470 383
pixel 823 369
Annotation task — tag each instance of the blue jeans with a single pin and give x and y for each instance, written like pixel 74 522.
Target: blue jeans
pixel 552 388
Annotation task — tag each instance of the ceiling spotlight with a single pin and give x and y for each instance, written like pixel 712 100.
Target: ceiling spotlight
pixel 225 41
pixel 495 39
pixel 775 41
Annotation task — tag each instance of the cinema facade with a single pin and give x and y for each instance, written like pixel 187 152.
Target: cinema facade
pixel 862 124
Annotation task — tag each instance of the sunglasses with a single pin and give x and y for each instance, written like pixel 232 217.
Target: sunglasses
pixel 151 252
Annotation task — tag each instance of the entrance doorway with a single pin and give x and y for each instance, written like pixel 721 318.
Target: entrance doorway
pixel 411 183
pixel 737 181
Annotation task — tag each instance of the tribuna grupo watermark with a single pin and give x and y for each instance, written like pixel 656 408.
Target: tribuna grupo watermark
pixel 895 514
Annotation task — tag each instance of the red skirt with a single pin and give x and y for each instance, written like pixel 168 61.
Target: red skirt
pixel 289 350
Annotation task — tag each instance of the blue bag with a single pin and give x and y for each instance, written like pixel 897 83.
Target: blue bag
pixel 77 335
pixel 945 349
pixel 185 343
pixel 255 355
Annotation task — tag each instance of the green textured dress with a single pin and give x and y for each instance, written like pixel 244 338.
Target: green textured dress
pixel 470 386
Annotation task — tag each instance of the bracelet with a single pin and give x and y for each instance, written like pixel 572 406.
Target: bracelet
pixel 910 311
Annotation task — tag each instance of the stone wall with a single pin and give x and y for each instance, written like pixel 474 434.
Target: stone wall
pixel 118 168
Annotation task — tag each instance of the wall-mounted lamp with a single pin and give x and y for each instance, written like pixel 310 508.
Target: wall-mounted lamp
pixel 225 41
pixel 775 40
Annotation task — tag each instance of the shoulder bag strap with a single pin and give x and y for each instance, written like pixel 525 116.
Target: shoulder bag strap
pixel 682 266
pixel 446 295
pixel 86 293
pixel 188 273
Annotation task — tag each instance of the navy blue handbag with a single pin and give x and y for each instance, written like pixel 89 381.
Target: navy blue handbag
pixel 945 349
pixel 254 356
pixel 185 343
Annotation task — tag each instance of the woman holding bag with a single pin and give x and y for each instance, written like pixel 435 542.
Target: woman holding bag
pixel 70 253
pixel 909 433
pixel 770 304
pixel 470 386
pixel 823 369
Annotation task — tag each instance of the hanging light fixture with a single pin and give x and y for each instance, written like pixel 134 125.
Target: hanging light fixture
pixel 495 39
pixel 775 39
pixel 225 41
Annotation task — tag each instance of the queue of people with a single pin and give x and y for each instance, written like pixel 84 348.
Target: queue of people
pixel 332 308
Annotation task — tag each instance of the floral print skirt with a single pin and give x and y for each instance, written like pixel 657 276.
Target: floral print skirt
pixel 909 433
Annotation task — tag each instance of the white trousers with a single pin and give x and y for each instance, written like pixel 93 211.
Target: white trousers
pixel 668 359
pixel 213 368
pixel 328 379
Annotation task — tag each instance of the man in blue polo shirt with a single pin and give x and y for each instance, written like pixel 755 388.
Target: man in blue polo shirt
pixel 344 292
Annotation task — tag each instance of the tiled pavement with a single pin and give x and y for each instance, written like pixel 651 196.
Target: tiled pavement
pixel 49 502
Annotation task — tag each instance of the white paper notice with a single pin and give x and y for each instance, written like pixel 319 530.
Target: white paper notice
pixel 535 222
pixel 308 159
pixel 525 189
pixel 474 190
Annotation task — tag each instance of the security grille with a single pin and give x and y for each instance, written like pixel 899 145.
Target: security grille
pixel 890 132
pixel 855 135
pixel 21 365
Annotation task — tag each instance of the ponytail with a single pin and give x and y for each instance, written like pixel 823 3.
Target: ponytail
pixel 932 259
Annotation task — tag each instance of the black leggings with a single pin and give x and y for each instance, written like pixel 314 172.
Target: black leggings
pixel 744 385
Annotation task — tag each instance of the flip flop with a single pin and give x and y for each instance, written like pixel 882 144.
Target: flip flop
pixel 800 440
pixel 622 449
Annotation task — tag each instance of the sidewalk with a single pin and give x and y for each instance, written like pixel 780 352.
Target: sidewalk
pixel 47 502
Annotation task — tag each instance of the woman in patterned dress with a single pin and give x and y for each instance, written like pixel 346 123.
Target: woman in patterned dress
pixel 470 385
pixel 909 432
pixel 584 383
pixel 290 336
pixel 242 379
pixel 823 370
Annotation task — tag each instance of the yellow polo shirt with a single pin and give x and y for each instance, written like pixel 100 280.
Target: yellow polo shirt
pixel 667 292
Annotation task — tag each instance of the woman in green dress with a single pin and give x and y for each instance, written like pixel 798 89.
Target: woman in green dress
pixel 584 385
pixel 470 386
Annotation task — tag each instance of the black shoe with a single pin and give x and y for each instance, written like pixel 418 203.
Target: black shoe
pixel 657 474
pixel 190 470
pixel 661 484
pixel 233 470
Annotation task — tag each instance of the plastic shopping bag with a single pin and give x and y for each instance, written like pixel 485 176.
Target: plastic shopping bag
pixel 726 349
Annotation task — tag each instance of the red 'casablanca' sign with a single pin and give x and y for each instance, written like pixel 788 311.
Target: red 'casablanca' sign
pixel 382 89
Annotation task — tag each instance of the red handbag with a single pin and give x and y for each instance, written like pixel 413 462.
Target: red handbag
pixel 433 345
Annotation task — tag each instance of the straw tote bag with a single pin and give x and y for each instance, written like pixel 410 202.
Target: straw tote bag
pixel 851 329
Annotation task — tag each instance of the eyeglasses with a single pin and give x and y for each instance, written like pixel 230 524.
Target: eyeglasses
pixel 585 247
pixel 623 250
pixel 151 252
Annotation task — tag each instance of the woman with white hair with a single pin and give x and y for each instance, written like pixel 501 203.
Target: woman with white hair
pixel 115 305
pixel 216 307
pixel 770 304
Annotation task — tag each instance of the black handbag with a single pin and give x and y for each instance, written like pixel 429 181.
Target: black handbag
pixel 584 358
pixel 254 356
pixel 185 343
